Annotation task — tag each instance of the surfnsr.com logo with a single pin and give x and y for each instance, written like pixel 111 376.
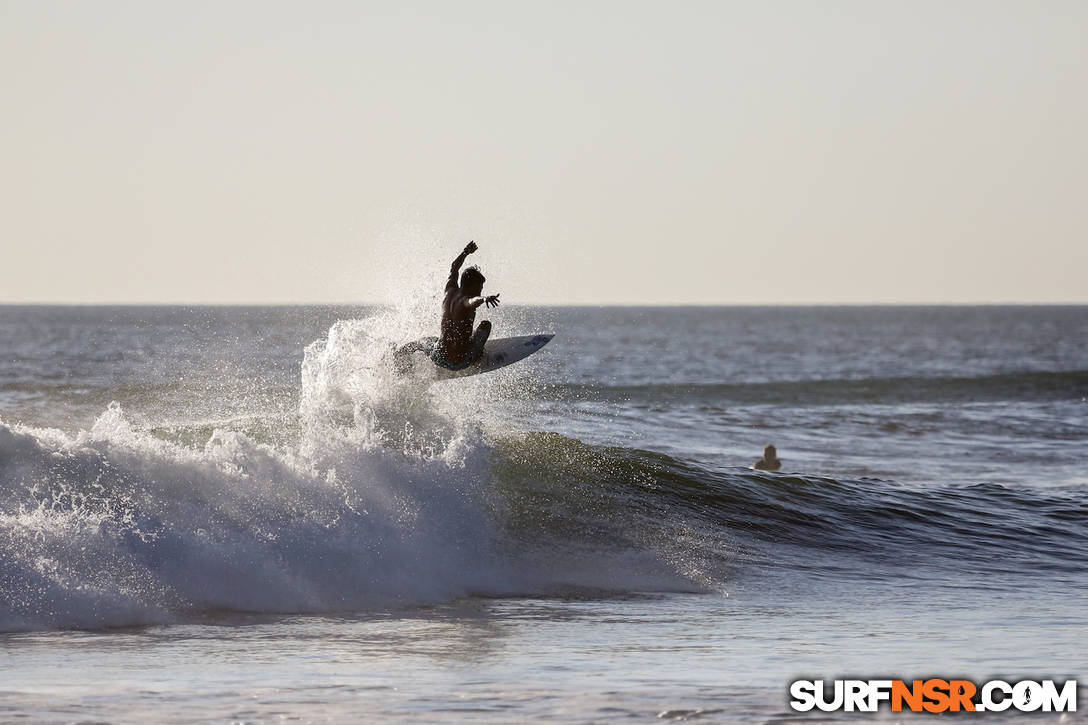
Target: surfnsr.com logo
pixel 934 695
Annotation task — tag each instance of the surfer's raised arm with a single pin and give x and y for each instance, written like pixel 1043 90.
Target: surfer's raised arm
pixel 456 266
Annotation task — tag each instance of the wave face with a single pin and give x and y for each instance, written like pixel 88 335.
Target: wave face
pixel 730 517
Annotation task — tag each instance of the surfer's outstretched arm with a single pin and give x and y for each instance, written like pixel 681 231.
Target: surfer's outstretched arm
pixel 490 301
pixel 456 266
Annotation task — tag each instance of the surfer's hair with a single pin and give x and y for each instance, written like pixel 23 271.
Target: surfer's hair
pixel 472 277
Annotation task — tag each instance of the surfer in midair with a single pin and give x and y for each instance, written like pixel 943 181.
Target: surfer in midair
pixel 458 347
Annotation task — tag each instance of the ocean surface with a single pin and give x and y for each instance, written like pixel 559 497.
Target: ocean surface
pixel 240 515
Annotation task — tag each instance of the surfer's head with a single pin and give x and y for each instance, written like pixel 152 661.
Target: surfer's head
pixel 472 281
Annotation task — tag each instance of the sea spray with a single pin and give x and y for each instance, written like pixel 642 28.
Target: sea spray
pixel 114 521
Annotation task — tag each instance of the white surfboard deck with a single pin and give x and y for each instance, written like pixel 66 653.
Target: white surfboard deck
pixel 498 353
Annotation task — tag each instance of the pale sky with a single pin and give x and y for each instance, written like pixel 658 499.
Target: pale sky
pixel 598 152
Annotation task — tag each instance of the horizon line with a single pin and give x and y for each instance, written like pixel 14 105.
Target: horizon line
pixel 561 305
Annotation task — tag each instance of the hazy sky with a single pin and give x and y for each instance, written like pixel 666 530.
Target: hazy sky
pixel 599 152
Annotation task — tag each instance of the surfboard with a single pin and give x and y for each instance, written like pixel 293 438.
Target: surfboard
pixel 498 353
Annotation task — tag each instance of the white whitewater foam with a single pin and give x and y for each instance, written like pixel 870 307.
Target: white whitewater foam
pixel 114 526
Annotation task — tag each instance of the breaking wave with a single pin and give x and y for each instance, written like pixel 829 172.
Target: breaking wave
pixel 381 492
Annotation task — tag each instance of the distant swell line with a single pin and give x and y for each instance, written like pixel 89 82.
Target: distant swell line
pixel 1065 385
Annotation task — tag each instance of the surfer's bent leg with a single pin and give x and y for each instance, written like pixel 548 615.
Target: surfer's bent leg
pixel 483 331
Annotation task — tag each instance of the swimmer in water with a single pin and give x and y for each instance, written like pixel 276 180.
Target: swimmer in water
pixel 769 462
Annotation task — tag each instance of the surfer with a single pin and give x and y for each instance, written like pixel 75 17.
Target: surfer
pixel 769 462
pixel 458 347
